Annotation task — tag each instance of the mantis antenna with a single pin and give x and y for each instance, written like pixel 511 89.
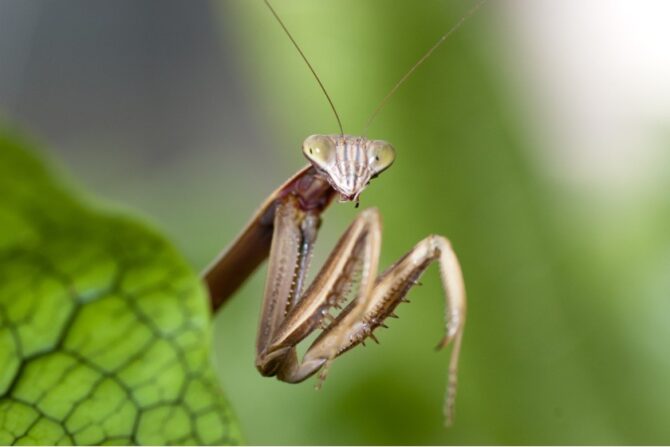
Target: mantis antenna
pixel 297 47
pixel 421 60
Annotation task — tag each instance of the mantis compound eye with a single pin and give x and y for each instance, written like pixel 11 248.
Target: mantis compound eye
pixel 382 155
pixel 319 149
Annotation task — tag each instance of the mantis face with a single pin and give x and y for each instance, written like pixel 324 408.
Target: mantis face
pixel 347 162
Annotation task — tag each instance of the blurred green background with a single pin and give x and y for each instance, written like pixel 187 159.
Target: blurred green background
pixel 190 113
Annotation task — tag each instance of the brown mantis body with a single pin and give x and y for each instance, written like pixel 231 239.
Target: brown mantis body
pixel 285 228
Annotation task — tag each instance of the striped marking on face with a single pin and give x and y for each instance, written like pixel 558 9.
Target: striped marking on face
pixel 352 163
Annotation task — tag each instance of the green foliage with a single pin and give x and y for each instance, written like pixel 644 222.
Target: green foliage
pixel 104 329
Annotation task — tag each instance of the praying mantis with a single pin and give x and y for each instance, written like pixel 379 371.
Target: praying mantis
pixel 284 231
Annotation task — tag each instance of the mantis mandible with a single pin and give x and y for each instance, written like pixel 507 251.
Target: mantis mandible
pixel 285 228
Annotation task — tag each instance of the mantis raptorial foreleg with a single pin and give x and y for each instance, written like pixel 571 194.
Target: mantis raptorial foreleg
pixel 289 315
pixel 358 248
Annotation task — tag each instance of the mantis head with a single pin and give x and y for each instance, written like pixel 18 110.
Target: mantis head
pixel 347 162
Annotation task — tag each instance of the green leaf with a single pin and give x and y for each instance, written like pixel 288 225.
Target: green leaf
pixel 104 329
